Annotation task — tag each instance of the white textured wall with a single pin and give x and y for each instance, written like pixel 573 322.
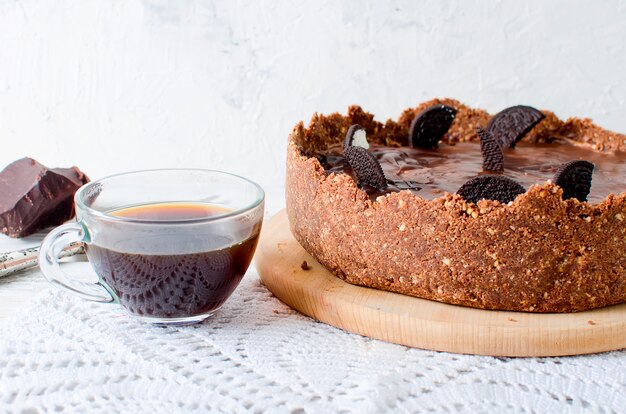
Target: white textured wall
pixel 125 85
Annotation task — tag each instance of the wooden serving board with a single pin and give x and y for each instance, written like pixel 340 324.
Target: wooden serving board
pixel 423 323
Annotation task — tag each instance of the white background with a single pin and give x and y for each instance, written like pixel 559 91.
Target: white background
pixel 113 86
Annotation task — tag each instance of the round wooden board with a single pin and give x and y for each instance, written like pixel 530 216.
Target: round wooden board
pixel 422 323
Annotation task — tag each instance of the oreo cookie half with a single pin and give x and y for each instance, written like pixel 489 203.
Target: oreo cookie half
pixel 429 126
pixel 511 124
pixel 493 157
pixel 366 167
pixel 574 178
pixel 356 137
pixel 491 187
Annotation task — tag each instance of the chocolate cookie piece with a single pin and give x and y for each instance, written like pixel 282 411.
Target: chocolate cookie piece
pixel 33 197
pixel 574 178
pixel 430 125
pixel 511 124
pixel 493 157
pixel 366 168
pixel 491 187
pixel 356 136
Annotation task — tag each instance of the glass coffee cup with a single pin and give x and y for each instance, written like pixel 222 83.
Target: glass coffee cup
pixel 170 246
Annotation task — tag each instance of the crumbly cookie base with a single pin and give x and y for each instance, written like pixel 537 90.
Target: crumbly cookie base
pixel 536 254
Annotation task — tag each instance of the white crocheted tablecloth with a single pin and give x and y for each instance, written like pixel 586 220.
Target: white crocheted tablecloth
pixel 258 355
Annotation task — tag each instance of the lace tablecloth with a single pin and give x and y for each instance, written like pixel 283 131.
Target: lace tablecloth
pixel 258 355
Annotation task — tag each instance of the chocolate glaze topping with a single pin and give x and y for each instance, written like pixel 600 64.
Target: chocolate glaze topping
pixel 431 173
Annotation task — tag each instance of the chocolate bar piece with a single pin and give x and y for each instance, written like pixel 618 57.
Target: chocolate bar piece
pixel 33 197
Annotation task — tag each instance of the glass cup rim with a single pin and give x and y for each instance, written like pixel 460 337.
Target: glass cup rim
pixel 80 205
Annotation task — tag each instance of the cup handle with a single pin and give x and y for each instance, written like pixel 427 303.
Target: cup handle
pixel 51 251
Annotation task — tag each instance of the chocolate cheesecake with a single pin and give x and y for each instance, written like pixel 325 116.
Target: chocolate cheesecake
pixel 518 211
